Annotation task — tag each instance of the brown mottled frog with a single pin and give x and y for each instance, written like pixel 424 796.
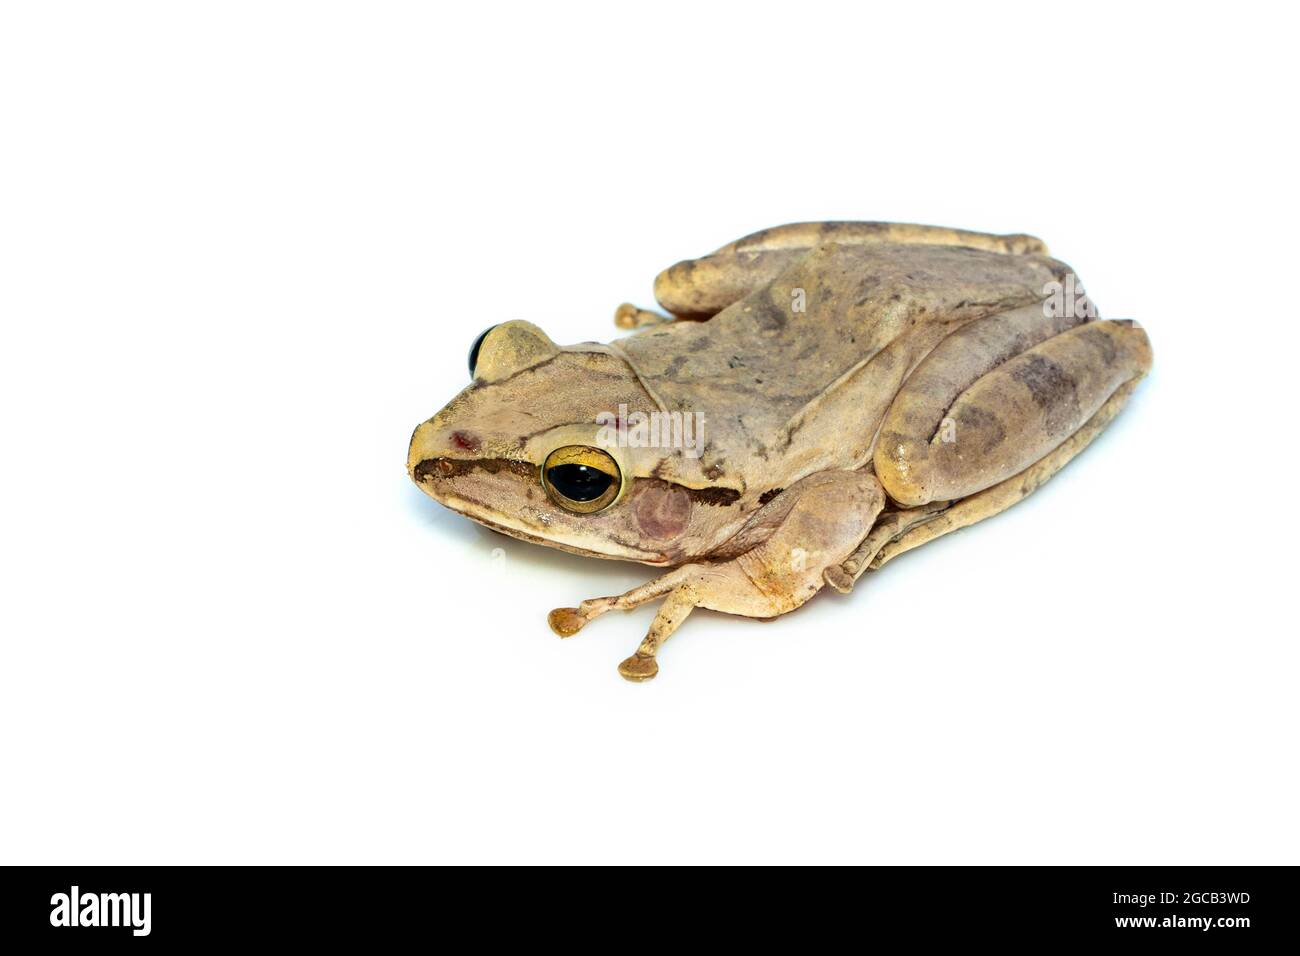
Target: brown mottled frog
pixel 820 398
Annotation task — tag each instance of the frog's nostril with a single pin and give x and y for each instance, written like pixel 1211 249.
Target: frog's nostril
pixel 433 468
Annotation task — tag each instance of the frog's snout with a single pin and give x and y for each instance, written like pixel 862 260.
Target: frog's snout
pixel 453 464
pixel 421 448
pixel 429 464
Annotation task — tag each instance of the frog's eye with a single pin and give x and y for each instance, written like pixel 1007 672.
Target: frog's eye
pixel 475 348
pixel 508 348
pixel 581 479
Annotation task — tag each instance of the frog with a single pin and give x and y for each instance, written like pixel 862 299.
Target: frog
pixel 832 395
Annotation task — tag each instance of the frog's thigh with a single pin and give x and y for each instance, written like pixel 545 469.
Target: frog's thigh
pixel 947 437
pixel 1001 496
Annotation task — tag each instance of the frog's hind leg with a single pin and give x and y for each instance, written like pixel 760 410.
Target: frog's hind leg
pixel 702 287
pixel 1000 497
pixel 812 525
pixel 1005 401
pixel 979 410
pixel 992 413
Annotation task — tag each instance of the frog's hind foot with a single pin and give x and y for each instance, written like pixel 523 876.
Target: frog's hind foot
pixel 838 578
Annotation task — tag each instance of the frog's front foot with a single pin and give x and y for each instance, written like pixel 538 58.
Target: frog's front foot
pixel 682 596
pixel 829 514
pixel 628 316
pixel 639 667
pixel 566 621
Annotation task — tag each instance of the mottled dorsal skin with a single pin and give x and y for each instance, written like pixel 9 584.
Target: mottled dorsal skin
pixel 796 376
pixel 791 379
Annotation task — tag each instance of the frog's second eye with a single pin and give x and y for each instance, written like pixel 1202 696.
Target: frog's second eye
pixel 476 348
pixel 581 479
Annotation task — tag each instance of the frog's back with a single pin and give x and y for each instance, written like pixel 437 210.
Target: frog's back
pixel 839 317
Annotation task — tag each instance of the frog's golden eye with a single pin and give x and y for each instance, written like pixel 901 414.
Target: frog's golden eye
pixel 476 348
pixel 581 479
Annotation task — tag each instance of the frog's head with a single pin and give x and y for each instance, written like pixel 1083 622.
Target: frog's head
pixel 530 448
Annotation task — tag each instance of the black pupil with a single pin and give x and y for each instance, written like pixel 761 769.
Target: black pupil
pixel 579 482
pixel 474 349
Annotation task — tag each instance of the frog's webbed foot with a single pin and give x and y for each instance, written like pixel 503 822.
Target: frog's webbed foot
pixel 824 518
pixel 628 316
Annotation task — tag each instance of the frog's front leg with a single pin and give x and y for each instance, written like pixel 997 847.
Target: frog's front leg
pixel 813 525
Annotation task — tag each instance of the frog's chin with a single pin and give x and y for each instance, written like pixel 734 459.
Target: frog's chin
pixel 517 527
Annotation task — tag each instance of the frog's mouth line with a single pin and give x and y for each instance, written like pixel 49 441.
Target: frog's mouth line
pixel 642 557
pixel 426 475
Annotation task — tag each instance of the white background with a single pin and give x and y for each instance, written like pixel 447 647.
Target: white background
pixel 245 248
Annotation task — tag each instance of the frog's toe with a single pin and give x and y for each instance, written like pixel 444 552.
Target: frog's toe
pixel 639 667
pixel 628 316
pixel 566 621
pixel 838 578
pixel 625 316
